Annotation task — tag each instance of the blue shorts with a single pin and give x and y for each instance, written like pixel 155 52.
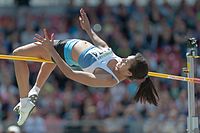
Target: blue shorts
pixel 68 52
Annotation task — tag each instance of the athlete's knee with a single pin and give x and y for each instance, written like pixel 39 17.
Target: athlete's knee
pixel 18 51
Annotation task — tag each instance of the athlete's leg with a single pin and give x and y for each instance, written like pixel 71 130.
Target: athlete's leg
pixel 22 75
pixel 44 72
pixel 22 70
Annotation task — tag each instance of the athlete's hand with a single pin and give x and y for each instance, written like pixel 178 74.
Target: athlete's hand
pixel 45 41
pixel 84 21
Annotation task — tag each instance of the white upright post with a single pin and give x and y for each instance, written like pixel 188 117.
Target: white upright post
pixel 192 119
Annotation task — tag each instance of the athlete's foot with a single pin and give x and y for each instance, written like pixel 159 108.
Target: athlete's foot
pixel 33 99
pixel 24 111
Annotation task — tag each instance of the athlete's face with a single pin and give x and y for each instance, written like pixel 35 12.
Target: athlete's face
pixel 125 64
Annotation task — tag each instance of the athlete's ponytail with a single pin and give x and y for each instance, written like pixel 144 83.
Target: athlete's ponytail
pixel 146 91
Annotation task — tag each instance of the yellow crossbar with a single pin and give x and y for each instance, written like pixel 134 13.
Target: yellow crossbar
pixel 24 58
pixel 174 77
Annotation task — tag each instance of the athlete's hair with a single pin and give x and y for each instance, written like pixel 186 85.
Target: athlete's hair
pixel 146 90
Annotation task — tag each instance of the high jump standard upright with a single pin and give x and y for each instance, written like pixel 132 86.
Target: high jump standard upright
pixel 192 119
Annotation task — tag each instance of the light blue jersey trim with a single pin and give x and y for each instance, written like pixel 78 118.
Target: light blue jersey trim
pixel 85 60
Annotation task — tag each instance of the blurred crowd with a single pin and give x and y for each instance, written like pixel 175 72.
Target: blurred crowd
pixel 158 31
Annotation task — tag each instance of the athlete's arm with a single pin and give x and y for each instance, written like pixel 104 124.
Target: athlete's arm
pixel 85 25
pixel 85 78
